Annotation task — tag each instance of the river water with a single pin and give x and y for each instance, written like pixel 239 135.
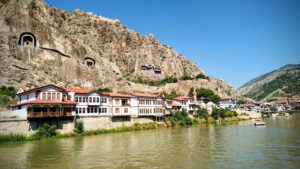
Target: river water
pixel 230 145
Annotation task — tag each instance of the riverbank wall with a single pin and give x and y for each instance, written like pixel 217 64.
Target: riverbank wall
pixel 25 127
pixel 243 114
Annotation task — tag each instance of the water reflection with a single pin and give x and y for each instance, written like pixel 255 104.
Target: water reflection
pixel 234 145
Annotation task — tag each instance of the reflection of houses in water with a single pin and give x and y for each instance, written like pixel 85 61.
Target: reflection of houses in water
pixel 156 70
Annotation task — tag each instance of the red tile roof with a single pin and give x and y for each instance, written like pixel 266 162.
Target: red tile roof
pixel 143 94
pixel 174 104
pixel 248 105
pixel 45 102
pixel 117 95
pixel 25 88
pixel 182 98
pixel 224 98
pixel 80 91
pixel 39 88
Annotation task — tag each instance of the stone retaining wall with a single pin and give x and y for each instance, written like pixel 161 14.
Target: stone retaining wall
pixel 22 126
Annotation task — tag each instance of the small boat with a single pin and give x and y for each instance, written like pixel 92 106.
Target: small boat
pixel 259 123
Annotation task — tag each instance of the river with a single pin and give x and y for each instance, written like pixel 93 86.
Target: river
pixel 230 145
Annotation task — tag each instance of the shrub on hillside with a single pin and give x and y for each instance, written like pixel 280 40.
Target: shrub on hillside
pixel 202 76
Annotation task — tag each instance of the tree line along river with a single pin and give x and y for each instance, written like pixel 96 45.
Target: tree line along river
pixel 228 145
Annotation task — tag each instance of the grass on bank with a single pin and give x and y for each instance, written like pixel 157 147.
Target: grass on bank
pixel 49 131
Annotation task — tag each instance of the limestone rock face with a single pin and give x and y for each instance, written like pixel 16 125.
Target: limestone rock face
pixel 183 87
pixel 40 44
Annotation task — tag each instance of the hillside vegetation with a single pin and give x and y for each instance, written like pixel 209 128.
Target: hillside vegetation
pixel 284 82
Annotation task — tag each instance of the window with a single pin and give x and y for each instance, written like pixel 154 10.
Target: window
pixel 94 99
pixel 76 99
pixel 83 99
pixel 79 110
pixel 92 110
pixel 104 110
pixel 90 99
pixel 57 96
pixel 117 101
pixel 103 100
pixel 80 99
pixel 48 96
pixel 53 96
pixel 125 110
pixel 98 100
pixel 88 110
pixel 117 110
pixel 76 110
pixel 83 110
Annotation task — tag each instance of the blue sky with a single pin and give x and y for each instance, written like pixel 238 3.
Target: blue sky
pixel 235 40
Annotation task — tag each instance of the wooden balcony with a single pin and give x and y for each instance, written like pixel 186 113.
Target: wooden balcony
pixel 48 114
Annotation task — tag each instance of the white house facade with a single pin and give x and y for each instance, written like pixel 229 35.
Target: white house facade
pixel 145 104
pixel 227 103
pixel 48 101
pixel 89 103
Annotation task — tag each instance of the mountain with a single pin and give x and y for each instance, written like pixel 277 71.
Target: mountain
pixel 282 82
pixel 40 44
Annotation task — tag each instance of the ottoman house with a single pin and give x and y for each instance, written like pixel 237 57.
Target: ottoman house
pixel 90 103
pixel 48 101
pixel 147 105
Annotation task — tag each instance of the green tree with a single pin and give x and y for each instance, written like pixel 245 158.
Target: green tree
pixel 202 76
pixel 186 77
pixel 241 101
pixel 179 118
pixel 205 94
pixel 104 90
pixel 78 126
pixel 172 95
pixel 46 130
pixel 202 113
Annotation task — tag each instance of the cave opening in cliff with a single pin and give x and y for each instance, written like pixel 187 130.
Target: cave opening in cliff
pixel 89 62
pixel 143 67
pixel 27 39
pixel 157 71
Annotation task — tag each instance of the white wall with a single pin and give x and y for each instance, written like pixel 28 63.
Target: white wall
pixel 20 113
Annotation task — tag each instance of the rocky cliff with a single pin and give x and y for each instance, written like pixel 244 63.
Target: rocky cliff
pixel 40 44
pixel 282 82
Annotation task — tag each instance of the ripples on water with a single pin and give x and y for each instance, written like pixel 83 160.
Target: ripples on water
pixel 232 145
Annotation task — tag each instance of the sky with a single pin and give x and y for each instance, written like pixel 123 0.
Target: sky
pixel 235 40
